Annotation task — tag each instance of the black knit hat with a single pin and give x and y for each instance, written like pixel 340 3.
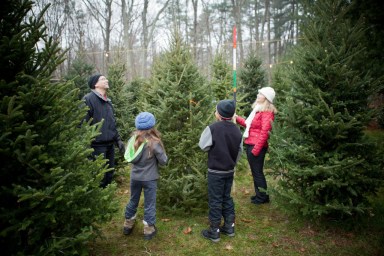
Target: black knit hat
pixel 93 80
pixel 226 108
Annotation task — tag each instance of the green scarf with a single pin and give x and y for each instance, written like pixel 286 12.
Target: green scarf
pixel 130 153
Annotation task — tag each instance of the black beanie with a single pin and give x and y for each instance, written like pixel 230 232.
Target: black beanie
pixel 93 80
pixel 226 108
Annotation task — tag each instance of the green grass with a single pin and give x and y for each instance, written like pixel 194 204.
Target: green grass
pixel 260 230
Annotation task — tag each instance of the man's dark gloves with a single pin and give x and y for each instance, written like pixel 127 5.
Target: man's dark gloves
pixel 121 146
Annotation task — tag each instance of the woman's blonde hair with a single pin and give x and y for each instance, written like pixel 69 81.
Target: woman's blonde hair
pixel 265 106
pixel 150 136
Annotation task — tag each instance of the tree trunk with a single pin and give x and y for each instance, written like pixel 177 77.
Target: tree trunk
pixel 194 3
pixel 127 17
pixel 236 11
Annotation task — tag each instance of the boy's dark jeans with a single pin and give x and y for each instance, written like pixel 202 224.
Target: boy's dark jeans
pixel 219 196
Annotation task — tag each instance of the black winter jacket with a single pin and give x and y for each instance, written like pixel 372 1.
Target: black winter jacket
pixel 102 109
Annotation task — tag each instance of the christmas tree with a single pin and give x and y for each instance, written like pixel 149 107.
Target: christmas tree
pixel 221 82
pixel 50 198
pixel 324 163
pixel 177 95
pixel 79 72
pixel 252 78
pixel 122 100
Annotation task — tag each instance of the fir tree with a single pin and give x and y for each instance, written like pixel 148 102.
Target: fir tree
pixel 221 81
pixel 252 78
pixel 50 198
pixel 325 164
pixel 177 95
pixel 80 72
pixel 122 100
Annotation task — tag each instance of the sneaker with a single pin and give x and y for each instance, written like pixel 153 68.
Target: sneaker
pixel 149 232
pixel 128 225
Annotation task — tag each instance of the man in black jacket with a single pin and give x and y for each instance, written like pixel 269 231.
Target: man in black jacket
pixel 100 108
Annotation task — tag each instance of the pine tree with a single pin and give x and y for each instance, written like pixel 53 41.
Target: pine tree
pixel 177 95
pixel 79 72
pixel 50 198
pixel 221 82
pixel 122 100
pixel 324 163
pixel 252 78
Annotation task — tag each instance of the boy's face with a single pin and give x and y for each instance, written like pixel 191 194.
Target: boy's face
pixel 218 117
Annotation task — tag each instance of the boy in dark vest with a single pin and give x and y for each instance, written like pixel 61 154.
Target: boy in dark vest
pixel 223 142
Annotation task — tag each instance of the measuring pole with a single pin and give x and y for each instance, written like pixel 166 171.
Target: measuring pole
pixel 234 63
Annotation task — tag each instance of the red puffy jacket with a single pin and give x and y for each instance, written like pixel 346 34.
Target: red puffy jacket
pixel 259 131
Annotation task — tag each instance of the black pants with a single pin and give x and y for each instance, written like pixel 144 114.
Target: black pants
pixel 220 201
pixel 108 152
pixel 257 165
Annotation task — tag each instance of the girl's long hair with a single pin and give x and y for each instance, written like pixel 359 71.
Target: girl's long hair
pixel 151 136
pixel 265 106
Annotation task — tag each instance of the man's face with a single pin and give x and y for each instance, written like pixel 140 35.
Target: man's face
pixel 102 83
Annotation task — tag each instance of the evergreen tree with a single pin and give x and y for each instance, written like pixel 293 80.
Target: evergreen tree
pixel 177 95
pixel 135 88
pixel 50 200
pixel 122 100
pixel 325 164
pixel 221 82
pixel 80 72
pixel 252 78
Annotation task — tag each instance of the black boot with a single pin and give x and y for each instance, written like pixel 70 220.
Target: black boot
pixel 261 198
pixel 213 233
pixel 229 226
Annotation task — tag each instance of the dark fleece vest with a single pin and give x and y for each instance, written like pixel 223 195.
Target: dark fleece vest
pixel 226 139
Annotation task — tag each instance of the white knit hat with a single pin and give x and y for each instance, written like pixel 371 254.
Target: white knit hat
pixel 268 93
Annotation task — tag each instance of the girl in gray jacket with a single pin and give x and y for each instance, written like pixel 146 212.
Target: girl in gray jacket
pixel 145 151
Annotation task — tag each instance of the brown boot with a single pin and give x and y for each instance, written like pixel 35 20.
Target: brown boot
pixel 149 231
pixel 128 225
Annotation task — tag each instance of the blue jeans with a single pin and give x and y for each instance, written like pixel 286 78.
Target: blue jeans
pixel 219 196
pixel 150 189
pixel 108 152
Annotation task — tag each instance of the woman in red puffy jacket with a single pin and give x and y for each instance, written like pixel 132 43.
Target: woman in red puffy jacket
pixel 257 128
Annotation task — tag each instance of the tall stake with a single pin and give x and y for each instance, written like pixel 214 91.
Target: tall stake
pixel 234 63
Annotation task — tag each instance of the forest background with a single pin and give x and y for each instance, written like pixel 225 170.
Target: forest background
pixel 322 57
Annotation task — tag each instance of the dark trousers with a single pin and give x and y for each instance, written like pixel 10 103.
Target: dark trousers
pixel 219 196
pixel 257 165
pixel 108 152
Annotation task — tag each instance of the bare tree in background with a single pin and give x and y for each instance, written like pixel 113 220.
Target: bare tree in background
pixel 91 29
pixel 56 21
pixel 148 31
pixel 128 16
pixel 194 4
pixel 101 11
pixel 237 15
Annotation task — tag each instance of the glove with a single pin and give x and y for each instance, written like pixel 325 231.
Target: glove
pixel 121 147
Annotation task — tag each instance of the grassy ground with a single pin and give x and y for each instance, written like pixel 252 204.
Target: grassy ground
pixel 260 230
